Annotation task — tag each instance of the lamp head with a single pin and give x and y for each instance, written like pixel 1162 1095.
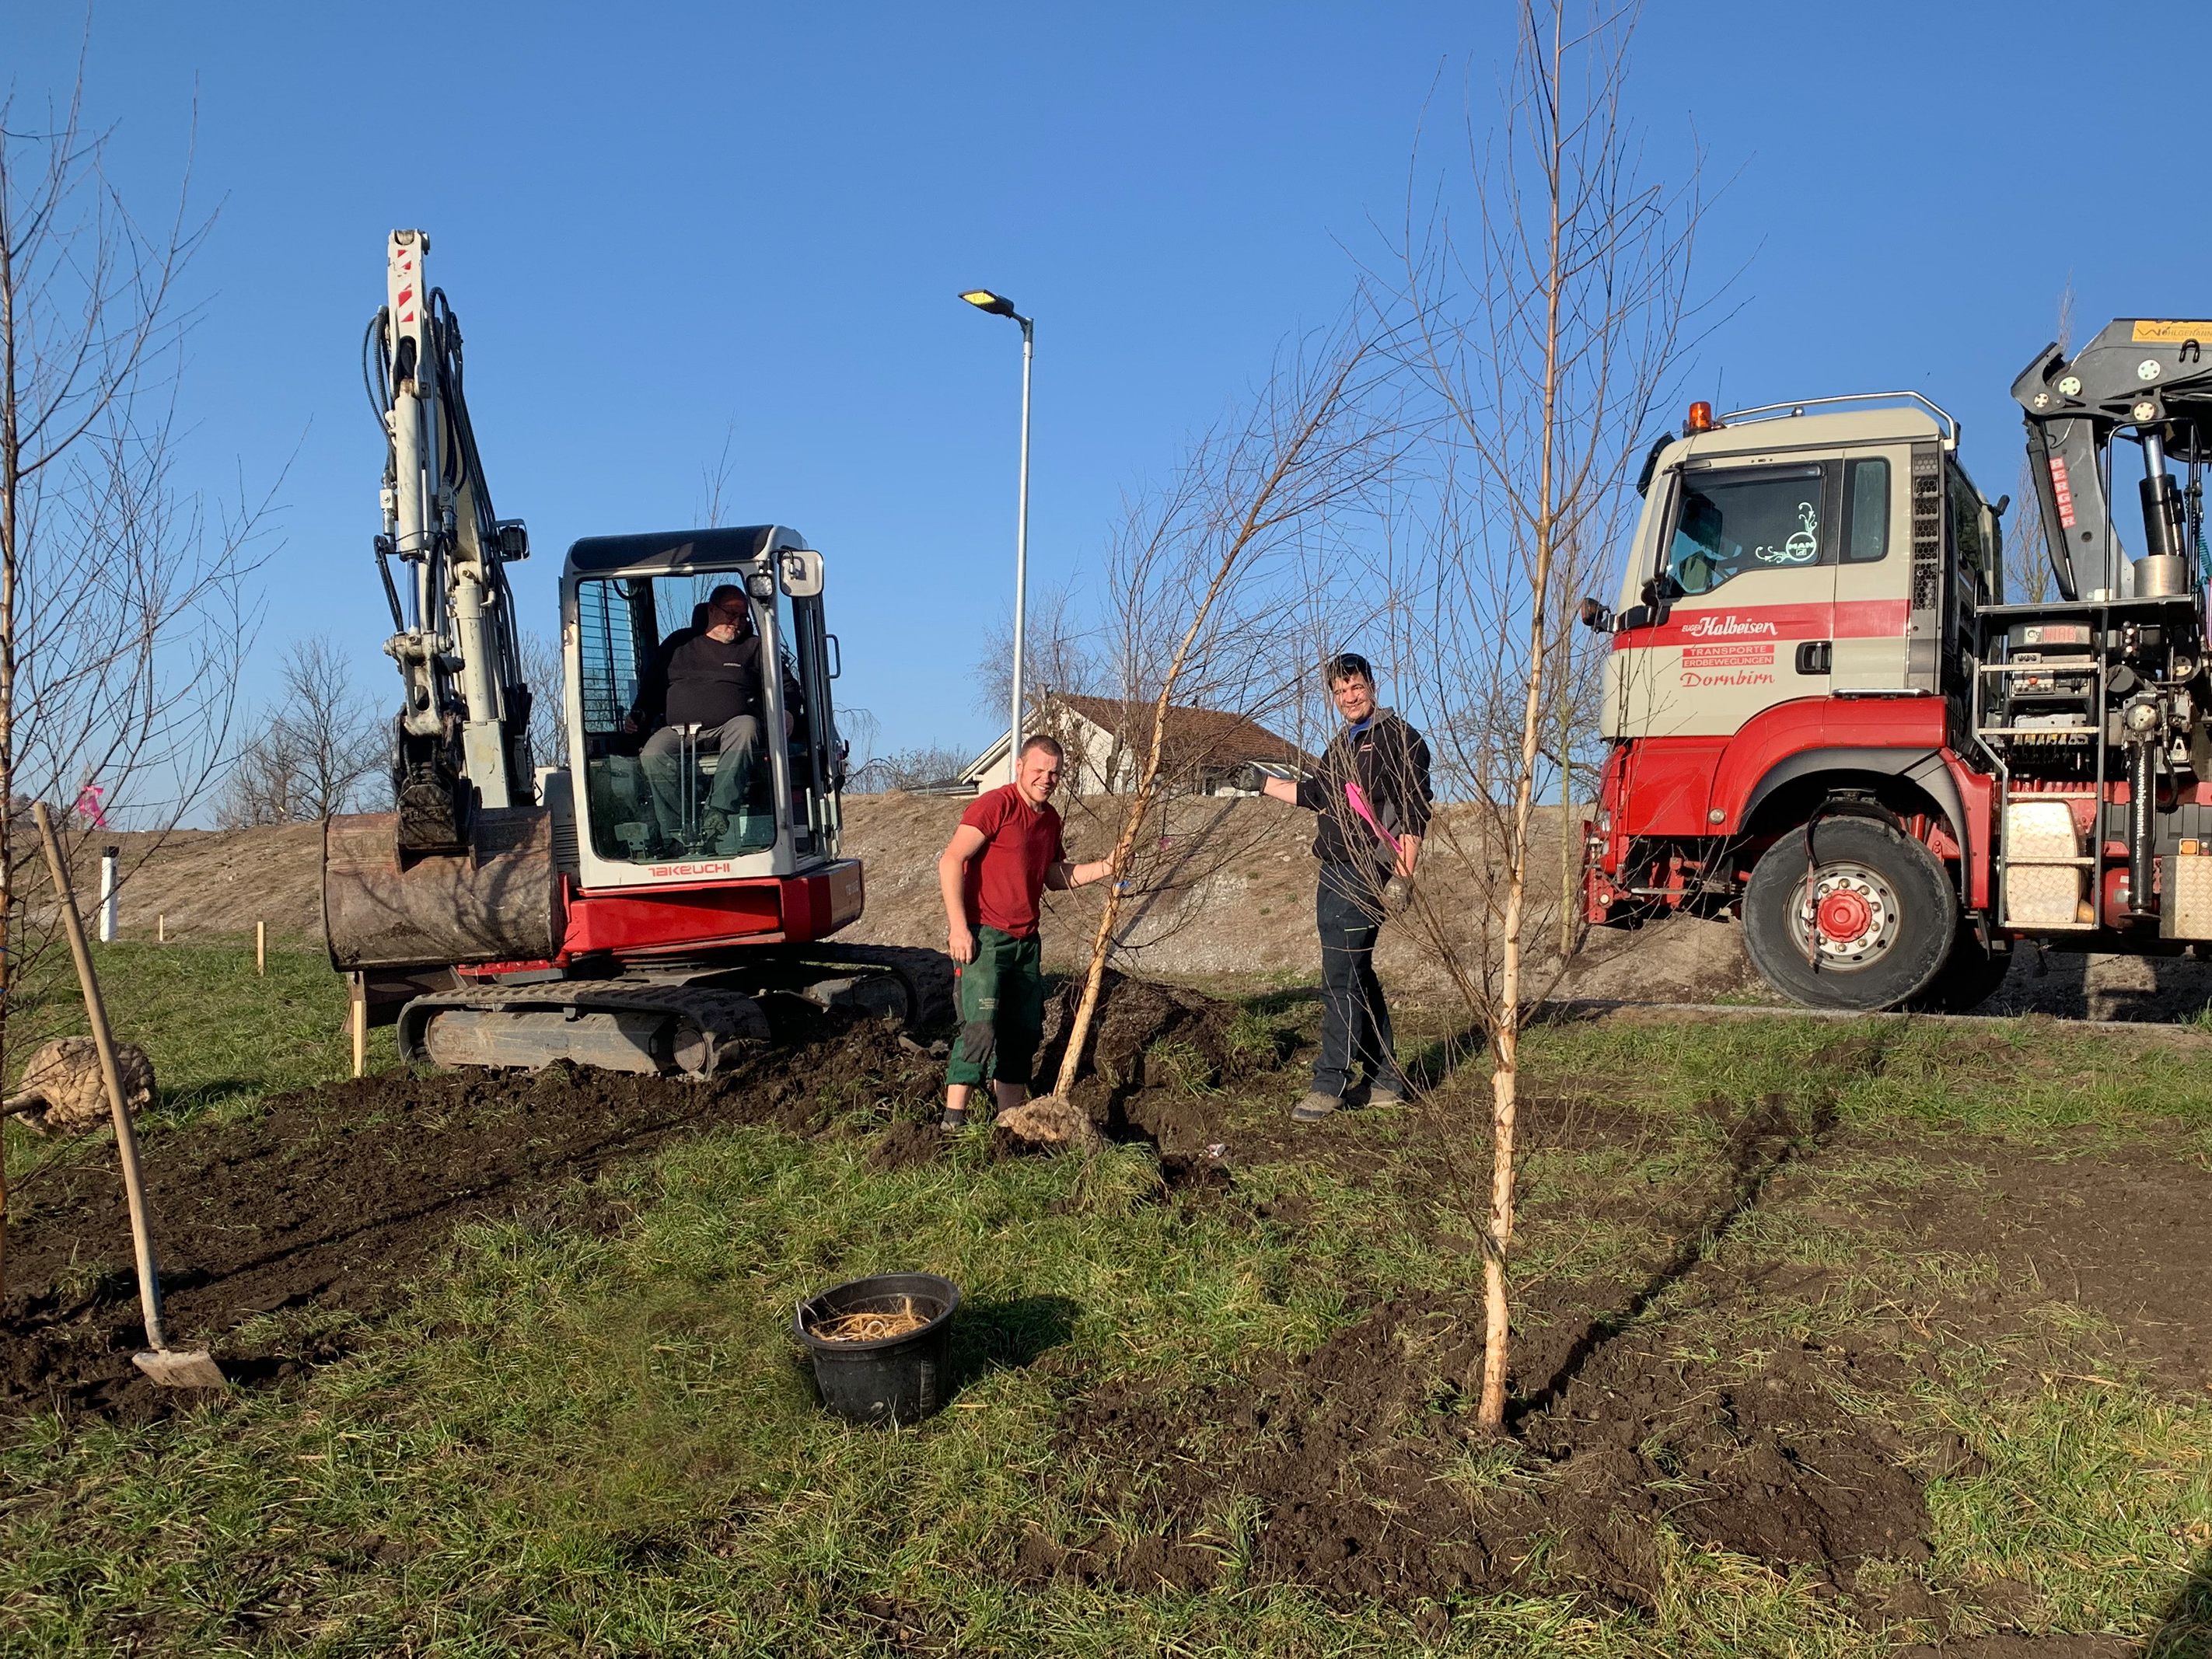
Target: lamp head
pixel 983 300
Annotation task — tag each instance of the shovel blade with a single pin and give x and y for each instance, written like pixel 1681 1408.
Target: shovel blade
pixel 172 1368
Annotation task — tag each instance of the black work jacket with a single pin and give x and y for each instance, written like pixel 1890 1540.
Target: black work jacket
pixel 1389 762
pixel 693 679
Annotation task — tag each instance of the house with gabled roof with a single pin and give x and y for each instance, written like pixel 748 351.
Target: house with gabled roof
pixel 1107 739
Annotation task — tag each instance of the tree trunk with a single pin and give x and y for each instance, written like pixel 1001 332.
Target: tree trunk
pixel 1504 1077
pixel 1570 841
pixel 1087 1007
pixel 11 499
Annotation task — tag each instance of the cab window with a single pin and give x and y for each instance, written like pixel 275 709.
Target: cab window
pixel 1965 519
pixel 1727 523
pixel 1866 511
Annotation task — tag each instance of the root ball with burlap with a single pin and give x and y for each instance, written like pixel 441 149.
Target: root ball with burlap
pixel 61 1090
pixel 1049 1123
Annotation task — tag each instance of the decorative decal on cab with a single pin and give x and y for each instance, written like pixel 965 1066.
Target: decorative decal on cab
pixel 1731 626
pixel 1718 656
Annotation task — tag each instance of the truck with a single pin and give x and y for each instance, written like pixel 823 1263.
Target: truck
pixel 611 907
pixel 1825 717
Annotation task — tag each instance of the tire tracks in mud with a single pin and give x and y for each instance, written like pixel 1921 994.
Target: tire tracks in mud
pixel 1347 1459
pixel 1764 1142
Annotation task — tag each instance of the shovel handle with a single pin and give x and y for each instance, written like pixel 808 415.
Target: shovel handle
pixel 126 1137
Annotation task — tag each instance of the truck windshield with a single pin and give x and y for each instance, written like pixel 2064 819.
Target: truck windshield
pixel 675 707
pixel 1767 518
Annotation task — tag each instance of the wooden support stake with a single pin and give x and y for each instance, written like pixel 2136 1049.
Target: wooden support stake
pixel 261 947
pixel 160 930
pixel 357 1020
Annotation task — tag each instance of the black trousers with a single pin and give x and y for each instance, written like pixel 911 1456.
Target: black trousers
pixel 1355 1021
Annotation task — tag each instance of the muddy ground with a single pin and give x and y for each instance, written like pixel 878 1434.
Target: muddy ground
pixel 336 1196
pixel 1355 1469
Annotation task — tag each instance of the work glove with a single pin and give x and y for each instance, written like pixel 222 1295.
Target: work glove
pixel 1398 894
pixel 1248 778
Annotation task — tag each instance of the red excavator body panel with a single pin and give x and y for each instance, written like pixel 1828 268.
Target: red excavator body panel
pixel 643 923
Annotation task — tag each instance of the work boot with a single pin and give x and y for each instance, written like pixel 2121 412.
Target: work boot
pixel 954 1121
pixel 1314 1108
pixel 1386 1091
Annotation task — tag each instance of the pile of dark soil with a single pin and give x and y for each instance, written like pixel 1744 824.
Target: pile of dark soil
pixel 1155 1058
pixel 334 1197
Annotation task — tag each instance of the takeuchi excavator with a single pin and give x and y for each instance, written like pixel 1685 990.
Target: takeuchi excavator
pixel 611 907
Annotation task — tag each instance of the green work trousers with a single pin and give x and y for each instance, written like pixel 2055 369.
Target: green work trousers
pixel 1001 1002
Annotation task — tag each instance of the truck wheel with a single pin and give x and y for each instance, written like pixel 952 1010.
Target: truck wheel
pixel 1969 977
pixel 1887 914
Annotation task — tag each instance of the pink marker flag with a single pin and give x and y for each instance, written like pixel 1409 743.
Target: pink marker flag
pixel 87 805
pixel 1358 797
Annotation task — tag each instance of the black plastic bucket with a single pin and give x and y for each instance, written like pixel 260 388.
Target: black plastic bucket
pixel 893 1379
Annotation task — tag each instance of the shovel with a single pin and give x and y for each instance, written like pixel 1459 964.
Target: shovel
pixel 169 1368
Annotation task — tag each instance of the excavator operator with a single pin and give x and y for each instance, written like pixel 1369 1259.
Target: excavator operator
pixel 706 682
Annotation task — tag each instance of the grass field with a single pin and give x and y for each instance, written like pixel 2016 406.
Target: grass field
pixel 586 1435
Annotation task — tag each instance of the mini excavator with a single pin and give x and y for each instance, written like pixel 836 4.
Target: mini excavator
pixel 610 908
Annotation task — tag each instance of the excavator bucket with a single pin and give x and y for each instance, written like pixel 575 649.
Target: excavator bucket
pixel 498 901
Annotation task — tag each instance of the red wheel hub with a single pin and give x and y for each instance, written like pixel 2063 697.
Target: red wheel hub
pixel 1845 916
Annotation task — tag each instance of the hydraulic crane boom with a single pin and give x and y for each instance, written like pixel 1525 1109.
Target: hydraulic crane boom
pixel 461 735
pixel 2147 374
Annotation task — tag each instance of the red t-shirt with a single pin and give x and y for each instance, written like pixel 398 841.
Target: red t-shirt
pixel 1005 879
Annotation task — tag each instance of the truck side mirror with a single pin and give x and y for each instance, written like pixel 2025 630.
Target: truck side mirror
pixel 801 570
pixel 1594 615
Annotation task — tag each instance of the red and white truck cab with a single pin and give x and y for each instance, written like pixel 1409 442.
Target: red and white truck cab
pixel 1786 659
pixel 1824 718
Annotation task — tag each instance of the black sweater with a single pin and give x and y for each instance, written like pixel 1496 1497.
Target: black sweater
pixel 697 679
pixel 1389 762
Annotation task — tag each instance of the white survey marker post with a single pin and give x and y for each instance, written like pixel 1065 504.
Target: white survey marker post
pixel 108 855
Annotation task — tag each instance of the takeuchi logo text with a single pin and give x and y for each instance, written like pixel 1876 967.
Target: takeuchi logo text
pixel 1729 626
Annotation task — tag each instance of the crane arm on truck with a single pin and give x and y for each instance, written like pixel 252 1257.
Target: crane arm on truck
pixel 2144 375
pixel 461 734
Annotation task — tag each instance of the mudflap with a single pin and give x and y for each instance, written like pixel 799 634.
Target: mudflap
pixel 616 1026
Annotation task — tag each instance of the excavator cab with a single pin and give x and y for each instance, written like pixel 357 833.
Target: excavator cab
pixel 649 796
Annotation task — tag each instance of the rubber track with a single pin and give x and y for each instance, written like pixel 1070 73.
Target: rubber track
pixel 927 975
pixel 727 1018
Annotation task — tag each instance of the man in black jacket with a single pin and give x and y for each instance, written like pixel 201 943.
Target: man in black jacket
pixel 1372 798
pixel 706 683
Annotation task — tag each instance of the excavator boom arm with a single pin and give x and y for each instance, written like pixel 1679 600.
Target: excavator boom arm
pixel 461 734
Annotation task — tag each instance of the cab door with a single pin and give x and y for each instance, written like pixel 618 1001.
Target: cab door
pixel 1746 567
pixel 1873 574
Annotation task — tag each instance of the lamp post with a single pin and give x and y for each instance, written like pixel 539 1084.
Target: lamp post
pixel 998 304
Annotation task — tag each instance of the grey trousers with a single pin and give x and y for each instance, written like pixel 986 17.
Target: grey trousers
pixel 737 743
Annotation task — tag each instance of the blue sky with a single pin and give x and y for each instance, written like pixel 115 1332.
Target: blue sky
pixel 670 223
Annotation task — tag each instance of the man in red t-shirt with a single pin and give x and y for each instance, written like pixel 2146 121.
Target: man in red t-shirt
pixel 993 872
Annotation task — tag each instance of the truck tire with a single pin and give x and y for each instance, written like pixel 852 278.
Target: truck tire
pixel 1888 915
pixel 1969 977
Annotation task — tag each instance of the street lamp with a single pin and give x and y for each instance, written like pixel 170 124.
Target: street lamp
pixel 998 304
